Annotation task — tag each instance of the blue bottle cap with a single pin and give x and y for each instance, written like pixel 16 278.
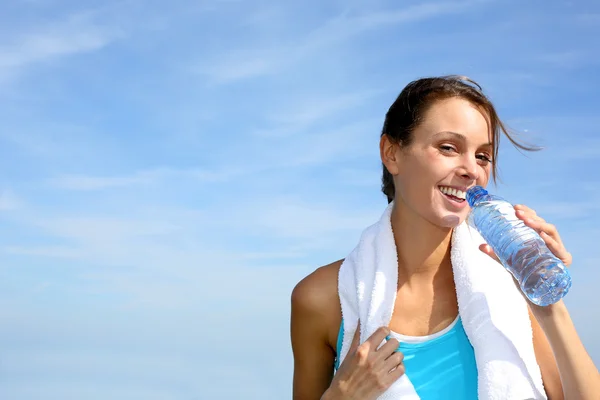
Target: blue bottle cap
pixel 475 193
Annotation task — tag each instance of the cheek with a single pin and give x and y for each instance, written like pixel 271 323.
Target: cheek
pixel 484 177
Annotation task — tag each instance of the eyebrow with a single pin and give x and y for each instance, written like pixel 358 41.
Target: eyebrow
pixel 459 136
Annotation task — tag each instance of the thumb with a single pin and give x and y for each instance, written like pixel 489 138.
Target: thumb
pixel 487 249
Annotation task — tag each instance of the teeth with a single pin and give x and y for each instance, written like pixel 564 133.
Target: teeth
pixel 453 192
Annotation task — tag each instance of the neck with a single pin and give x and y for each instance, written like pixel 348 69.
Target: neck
pixel 423 248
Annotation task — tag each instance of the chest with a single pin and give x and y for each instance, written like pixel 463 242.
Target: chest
pixel 422 311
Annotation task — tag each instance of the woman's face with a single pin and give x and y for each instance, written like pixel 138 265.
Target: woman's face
pixel 450 152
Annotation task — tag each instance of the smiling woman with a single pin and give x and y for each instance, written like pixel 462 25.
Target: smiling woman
pixel 440 137
pixel 409 109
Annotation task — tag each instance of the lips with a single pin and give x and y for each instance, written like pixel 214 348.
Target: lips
pixel 453 193
pixel 453 199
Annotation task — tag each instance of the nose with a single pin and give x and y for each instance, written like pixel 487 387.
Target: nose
pixel 469 168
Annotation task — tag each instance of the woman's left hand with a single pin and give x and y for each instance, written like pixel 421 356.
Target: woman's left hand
pixel 547 231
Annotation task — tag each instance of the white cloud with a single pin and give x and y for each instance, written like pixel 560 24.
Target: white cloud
pixel 297 115
pixel 239 66
pixel 77 33
pixel 332 146
pixel 414 13
pixel 85 182
pixel 301 221
pixel 317 107
pixel 159 272
pixel 104 229
pixel 263 59
pixel 43 251
pixel 153 176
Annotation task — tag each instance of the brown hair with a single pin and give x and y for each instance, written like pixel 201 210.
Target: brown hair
pixel 415 99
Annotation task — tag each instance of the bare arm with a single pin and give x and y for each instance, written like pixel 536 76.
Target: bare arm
pixel 367 371
pixel 313 356
pixel 579 376
pixel 546 361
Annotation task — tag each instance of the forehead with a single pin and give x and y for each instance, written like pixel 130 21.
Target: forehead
pixel 455 115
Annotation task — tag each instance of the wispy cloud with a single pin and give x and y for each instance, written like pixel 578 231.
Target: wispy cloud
pixel 155 176
pixel 296 116
pixel 261 60
pixel 316 107
pixel 104 230
pixel 86 182
pixel 242 65
pixel 410 14
pixel 76 33
pixel 296 148
pixel 43 251
pixel 138 194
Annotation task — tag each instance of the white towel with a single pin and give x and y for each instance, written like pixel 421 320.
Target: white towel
pixel 493 311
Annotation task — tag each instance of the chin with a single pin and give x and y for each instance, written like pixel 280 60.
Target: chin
pixel 451 220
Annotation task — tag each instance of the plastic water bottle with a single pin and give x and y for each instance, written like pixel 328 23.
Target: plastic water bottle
pixel 541 275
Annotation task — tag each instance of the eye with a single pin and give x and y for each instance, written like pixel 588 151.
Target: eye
pixel 447 148
pixel 486 159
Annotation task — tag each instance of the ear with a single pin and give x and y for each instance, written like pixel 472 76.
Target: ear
pixel 388 150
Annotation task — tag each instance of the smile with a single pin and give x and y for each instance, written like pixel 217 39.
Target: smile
pixel 453 194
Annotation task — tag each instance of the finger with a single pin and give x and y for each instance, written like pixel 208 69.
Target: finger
pixel 485 248
pixel 524 215
pixel 551 237
pixel 534 223
pixel 377 337
pixel 557 249
pixel 540 225
pixel 388 348
pixel 525 209
pixel 552 244
pixel 395 374
pixel 393 361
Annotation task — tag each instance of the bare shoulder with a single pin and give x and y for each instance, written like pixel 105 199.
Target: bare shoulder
pixel 318 291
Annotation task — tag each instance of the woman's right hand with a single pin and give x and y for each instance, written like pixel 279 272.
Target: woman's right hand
pixel 366 371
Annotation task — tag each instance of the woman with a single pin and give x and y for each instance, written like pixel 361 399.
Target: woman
pixel 440 133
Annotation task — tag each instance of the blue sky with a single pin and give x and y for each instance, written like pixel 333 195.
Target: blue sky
pixel 170 170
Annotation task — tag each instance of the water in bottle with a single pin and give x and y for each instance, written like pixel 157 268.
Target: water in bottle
pixel 541 275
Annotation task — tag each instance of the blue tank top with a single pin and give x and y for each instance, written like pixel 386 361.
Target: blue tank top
pixel 440 366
